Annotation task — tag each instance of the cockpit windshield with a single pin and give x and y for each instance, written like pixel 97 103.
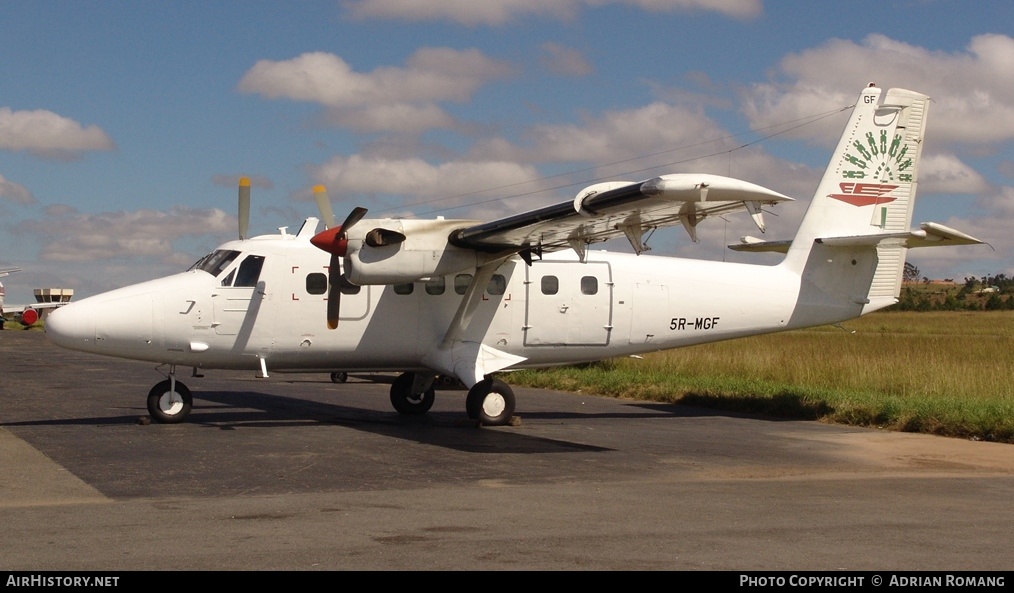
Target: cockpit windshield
pixel 215 262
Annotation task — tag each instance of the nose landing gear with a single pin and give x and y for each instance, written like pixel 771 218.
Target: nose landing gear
pixel 169 401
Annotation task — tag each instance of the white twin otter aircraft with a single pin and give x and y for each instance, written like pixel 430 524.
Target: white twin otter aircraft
pixel 465 299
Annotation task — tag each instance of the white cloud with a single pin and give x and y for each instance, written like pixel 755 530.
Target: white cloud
pixel 624 134
pixel 1000 204
pixel 565 61
pixel 14 192
pixel 46 134
pixel 414 177
pixel 118 235
pixel 501 12
pixel 389 98
pixel 405 118
pixel 635 144
pixel 740 9
pixel 973 100
pixel 431 74
pixel 944 173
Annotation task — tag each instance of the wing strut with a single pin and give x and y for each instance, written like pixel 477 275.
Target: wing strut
pixel 469 361
pixel 469 303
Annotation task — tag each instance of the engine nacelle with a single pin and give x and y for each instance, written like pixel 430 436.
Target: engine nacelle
pixel 28 317
pixel 411 250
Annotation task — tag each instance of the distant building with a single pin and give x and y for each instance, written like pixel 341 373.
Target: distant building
pixel 53 295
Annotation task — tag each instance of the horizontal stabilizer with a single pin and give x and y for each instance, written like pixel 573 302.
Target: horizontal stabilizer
pixel 755 245
pixel 931 234
pixel 938 234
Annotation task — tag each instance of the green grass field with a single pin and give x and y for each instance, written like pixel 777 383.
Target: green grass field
pixel 945 373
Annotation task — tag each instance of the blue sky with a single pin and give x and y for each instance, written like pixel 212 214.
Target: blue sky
pixel 124 126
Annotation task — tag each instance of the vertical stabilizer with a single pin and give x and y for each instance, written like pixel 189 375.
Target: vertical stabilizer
pixel 868 189
pixel 869 185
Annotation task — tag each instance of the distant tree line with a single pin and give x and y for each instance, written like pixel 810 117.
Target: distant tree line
pixel 988 293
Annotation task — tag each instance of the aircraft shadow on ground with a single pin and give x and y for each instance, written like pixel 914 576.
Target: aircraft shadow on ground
pixel 233 410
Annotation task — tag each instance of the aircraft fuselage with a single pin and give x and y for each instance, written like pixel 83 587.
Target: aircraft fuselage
pixel 556 311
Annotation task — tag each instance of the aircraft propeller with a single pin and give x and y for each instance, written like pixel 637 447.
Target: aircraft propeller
pixel 335 240
pixel 323 205
pixel 244 206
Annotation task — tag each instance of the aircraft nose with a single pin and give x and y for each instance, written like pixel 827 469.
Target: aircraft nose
pixel 71 327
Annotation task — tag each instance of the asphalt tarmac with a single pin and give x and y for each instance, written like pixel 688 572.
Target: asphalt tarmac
pixel 294 472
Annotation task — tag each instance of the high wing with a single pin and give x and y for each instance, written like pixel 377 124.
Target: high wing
pixel 392 251
pixel 608 210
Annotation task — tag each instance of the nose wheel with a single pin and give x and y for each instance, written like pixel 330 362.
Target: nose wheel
pixel 169 402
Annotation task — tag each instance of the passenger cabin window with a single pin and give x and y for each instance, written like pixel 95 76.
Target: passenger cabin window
pixel 406 288
pixel 346 287
pixel 461 282
pixel 550 285
pixel 249 271
pixel 589 285
pixel 497 285
pixel 436 285
pixel 316 283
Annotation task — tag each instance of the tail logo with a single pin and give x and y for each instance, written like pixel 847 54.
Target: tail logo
pixel 891 160
pixel 864 194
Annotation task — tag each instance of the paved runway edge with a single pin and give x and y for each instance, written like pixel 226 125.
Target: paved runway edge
pixel 31 479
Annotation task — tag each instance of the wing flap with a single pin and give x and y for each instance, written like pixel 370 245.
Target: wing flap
pixel 605 211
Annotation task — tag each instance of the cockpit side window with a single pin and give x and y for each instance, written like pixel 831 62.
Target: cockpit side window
pixel 214 263
pixel 250 271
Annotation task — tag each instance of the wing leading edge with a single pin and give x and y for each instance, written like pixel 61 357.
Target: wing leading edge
pixel 609 210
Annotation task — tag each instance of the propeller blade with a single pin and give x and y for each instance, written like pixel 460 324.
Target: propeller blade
pixel 323 205
pixel 335 241
pixel 355 216
pixel 244 206
pixel 334 294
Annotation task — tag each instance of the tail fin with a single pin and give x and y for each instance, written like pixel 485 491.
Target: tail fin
pixel 844 247
pixel 869 186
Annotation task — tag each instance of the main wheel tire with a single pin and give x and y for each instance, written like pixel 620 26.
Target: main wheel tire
pixel 339 377
pixel 491 402
pixel 167 406
pixel 406 402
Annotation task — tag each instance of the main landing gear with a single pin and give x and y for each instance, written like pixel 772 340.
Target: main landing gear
pixel 489 401
pixel 412 393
